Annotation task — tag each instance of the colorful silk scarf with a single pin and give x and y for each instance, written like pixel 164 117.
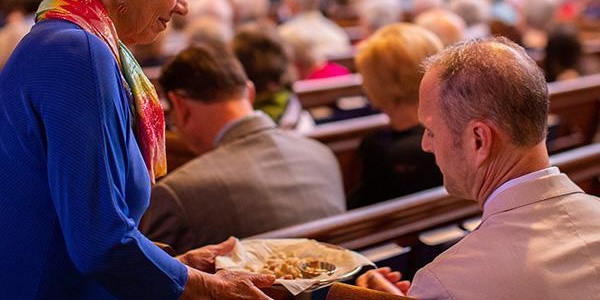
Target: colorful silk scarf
pixel 150 126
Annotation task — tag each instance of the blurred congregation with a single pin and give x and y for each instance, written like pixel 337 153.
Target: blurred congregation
pixel 304 119
pixel 319 68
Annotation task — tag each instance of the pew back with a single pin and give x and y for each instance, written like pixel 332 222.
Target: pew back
pixel 577 104
pixel 326 91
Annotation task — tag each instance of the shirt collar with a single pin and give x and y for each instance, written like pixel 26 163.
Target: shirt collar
pixel 219 137
pixel 527 177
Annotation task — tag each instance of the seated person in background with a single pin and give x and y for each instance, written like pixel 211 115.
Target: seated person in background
pixel 476 14
pixel 505 20
pixel 393 163
pixel 177 33
pixel 340 11
pixel 268 62
pixel 251 176
pixel 307 20
pixel 309 63
pixel 591 13
pixel 375 14
pixel 484 105
pixel 504 11
pixel 563 53
pixel 246 11
pixel 208 30
pixel 538 16
pixel 448 26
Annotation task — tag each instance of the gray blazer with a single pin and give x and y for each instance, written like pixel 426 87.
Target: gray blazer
pixel 258 178
pixel 538 240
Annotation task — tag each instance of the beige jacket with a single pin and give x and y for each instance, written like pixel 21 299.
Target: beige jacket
pixel 538 240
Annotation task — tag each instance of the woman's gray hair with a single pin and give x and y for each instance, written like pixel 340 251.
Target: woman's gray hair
pixel 492 79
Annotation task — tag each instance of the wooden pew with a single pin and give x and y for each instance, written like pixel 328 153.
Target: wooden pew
pixel 582 164
pixel 326 91
pixel 401 220
pixel 577 104
pixel 345 59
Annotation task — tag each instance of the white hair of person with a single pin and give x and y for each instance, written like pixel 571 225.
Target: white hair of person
pixel 375 14
pixel 304 53
pixel 472 11
pixel 208 30
pixel 220 9
pixel 539 13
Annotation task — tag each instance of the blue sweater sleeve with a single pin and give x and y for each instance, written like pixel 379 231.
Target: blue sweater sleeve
pixel 98 182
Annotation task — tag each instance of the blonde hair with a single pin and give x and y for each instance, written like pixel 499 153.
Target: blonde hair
pixel 389 62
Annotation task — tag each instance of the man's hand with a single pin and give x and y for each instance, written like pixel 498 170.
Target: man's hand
pixel 383 279
pixel 203 258
pixel 226 285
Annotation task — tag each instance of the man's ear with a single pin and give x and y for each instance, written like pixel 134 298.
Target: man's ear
pixel 251 90
pixel 180 108
pixel 481 140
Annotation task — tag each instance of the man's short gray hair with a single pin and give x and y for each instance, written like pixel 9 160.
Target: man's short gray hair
pixel 492 79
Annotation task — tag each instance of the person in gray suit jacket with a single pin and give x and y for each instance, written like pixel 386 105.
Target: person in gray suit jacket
pixel 484 106
pixel 249 177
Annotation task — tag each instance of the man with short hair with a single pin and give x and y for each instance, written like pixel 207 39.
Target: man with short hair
pixel 484 105
pixel 251 177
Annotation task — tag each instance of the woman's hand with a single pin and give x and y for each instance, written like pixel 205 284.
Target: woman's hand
pixel 383 279
pixel 226 285
pixel 203 258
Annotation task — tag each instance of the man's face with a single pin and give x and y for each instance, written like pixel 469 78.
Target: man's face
pixel 439 139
